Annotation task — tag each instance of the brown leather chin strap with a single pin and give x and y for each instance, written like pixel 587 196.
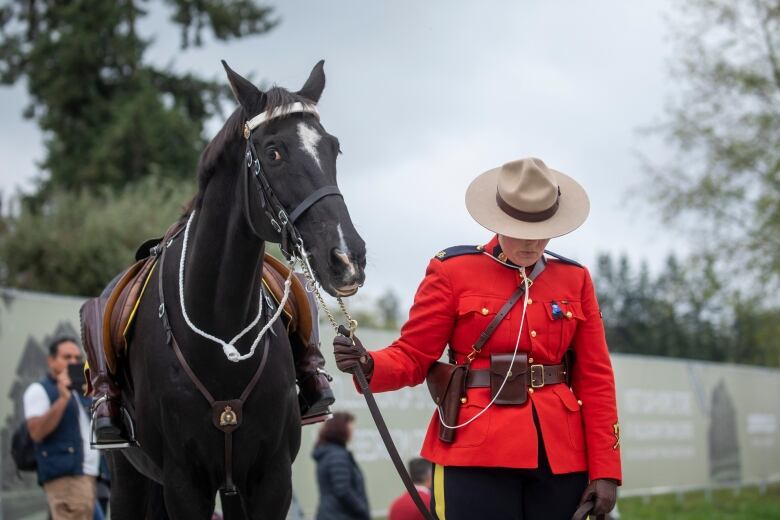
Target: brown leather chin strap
pixel 226 416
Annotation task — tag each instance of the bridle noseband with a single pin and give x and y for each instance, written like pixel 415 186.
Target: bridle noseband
pixel 281 221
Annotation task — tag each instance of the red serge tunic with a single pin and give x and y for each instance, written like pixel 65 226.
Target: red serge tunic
pixel 455 302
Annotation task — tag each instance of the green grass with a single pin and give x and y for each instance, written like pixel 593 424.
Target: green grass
pixel 746 504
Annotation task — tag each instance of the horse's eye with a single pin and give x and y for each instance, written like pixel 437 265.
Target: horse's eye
pixel 273 154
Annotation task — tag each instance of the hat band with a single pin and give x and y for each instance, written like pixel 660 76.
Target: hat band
pixel 528 216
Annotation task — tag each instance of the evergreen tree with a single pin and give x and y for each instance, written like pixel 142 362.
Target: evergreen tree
pixel 686 311
pixel 122 137
pixel 108 117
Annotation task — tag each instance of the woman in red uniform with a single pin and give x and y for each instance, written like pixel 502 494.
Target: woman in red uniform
pixel 532 456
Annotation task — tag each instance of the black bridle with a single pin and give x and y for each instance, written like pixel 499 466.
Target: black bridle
pixel 281 221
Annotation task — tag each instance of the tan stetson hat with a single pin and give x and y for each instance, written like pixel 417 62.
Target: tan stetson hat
pixel 526 199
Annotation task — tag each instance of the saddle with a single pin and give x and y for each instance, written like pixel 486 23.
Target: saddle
pixel 125 295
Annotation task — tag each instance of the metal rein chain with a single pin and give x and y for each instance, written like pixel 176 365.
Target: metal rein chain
pixel 311 286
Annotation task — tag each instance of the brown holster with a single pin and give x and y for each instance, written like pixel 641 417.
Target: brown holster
pixel 447 385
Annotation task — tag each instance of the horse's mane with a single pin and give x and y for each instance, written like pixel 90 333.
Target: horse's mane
pixel 231 131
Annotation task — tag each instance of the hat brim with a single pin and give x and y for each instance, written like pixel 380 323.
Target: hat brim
pixel 573 209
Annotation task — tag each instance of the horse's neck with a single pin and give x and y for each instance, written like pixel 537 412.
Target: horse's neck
pixel 223 267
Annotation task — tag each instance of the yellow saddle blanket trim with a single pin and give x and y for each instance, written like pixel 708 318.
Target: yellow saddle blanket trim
pixel 131 319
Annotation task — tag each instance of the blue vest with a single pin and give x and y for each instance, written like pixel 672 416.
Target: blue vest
pixel 61 453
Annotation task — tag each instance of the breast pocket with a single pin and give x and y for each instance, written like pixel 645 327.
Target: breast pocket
pixel 475 313
pixel 563 317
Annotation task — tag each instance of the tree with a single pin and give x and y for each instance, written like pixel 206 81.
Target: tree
pixel 108 117
pixel 116 129
pixel 724 127
pixel 687 311
pixel 389 308
pixel 84 239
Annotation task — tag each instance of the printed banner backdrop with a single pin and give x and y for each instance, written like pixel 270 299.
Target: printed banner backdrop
pixel 684 423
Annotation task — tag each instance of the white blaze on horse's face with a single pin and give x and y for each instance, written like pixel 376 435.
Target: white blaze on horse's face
pixel 343 252
pixel 310 138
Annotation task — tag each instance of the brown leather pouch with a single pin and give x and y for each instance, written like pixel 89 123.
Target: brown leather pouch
pixel 515 390
pixel 447 384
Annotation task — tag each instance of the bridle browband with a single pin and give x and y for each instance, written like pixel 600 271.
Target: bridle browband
pixel 281 221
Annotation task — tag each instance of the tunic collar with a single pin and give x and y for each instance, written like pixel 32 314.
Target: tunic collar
pixel 493 248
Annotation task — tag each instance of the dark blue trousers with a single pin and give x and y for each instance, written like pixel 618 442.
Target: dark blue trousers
pixel 470 493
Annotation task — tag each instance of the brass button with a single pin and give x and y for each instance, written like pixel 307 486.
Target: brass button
pixel 530 301
pixel 485 311
pixel 579 402
pixel 533 333
pixel 530 390
pixel 569 314
pixel 502 256
pixel 464 400
pixel 530 360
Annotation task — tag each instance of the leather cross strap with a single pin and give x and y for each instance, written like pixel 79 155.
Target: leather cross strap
pixel 491 328
pixel 226 415
pixel 534 377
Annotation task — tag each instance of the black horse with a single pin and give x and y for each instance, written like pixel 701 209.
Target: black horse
pixel 234 215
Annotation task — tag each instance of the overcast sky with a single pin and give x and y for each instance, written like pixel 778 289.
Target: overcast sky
pixel 424 96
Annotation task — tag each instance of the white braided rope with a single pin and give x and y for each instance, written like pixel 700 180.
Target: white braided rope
pixel 509 370
pixel 229 349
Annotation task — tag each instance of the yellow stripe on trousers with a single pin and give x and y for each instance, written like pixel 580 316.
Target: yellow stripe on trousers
pixel 438 490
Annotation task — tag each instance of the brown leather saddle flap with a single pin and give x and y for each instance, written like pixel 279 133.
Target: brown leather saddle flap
pixel 120 308
pixel 297 308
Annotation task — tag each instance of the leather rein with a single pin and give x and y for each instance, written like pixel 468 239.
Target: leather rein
pixel 291 238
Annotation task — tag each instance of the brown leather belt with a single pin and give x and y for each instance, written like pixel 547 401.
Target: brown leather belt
pixel 536 376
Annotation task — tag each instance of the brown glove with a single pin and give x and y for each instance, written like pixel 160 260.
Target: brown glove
pixel 349 353
pixel 603 493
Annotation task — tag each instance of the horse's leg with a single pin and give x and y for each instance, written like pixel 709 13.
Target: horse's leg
pixel 187 497
pixel 269 497
pixel 129 489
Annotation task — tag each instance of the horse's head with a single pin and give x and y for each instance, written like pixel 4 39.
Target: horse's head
pixel 298 158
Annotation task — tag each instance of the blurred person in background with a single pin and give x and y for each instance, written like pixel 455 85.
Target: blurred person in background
pixel 536 432
pixel 57 419
pixel 403 507
pixel 340 480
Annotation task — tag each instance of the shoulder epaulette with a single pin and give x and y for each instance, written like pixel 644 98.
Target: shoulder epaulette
pixel 454 251
pixel 562 258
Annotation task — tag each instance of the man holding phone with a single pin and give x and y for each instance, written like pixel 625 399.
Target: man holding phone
pixel 57 415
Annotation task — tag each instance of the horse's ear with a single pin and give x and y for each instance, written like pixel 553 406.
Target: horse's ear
pixel 314 86
pixel 247 95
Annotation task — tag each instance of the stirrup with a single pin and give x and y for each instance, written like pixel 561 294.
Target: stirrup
pixel 129 426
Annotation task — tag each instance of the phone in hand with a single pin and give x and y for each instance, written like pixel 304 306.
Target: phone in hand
pixel 77 380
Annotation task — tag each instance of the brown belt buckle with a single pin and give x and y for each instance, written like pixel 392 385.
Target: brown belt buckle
pixel 534 384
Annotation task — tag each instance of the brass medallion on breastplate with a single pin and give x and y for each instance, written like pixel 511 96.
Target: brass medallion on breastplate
pixel 228 417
